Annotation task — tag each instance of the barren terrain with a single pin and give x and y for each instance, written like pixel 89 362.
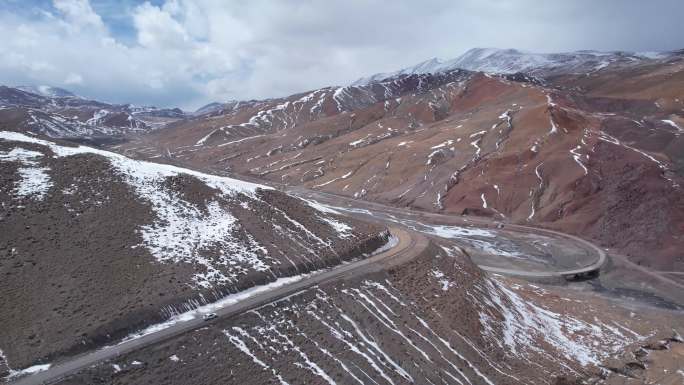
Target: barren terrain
pixel 581 153
pixel 499 218
pixel 111 245
pixel 437 319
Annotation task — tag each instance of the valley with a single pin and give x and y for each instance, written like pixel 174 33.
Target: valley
pixel 567 152
pixel 499 218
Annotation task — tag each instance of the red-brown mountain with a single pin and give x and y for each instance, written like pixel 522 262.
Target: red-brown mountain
pixel 598 152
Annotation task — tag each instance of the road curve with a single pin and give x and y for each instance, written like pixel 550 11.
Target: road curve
pixel 409 245
pixel 592 267
pixel 335 200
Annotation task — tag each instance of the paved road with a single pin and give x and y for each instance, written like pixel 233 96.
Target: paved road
pixel 658 275
pixel 338 201
pixel 408 246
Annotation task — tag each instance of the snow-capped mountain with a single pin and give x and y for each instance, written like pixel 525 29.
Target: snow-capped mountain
pixel 508 61
pixel 512 61
pixel 235 120
pixel 433 65
pixel 444 140
pixel 47 91
pixel 209 108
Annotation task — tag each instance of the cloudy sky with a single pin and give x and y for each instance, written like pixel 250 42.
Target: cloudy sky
pixel 189 52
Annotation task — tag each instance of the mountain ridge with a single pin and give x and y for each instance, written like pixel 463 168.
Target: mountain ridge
pixel 493 59
pixel 570 145
pixel 47 91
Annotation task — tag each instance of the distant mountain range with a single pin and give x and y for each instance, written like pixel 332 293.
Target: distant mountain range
pixel 47 91
pixel 57 112
pixel 108 244
pixel 503 133
pixel 507 61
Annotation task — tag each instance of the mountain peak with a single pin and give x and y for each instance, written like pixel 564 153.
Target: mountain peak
pixel 424 67
pixel 511 60
pixel 47 91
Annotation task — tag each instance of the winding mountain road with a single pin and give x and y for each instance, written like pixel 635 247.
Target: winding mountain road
pixel 389 215
pixel 410 243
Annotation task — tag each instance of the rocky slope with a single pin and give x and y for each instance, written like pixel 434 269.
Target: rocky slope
pixel 437 319
pixel 588 143
pixel 95 245
pixel 583 153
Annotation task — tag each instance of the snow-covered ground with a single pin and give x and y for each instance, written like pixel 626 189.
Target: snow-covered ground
pixel 19 373
pixel 35 181
pixel 177 316
pixel 347 338
pixel 483 240
pixel 524 325
pixel 200 311
pixel 182 232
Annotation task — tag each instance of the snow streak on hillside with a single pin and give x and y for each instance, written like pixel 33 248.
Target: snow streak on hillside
pixel 528 329
pixel 183 231
pixel 34 180
pixel 375 332
pixel 346 343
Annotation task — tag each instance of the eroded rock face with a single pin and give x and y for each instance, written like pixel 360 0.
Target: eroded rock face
pixel 101 245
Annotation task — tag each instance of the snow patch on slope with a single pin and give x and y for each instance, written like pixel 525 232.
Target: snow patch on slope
pixel 35 181
pixel 524 324
pixel 674 125
pixel 181 232
pixel 30 370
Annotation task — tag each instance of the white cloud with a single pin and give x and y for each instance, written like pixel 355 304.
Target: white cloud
pixel 188 53
pixel 79 14
pixel 73 79
pixel 158 29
